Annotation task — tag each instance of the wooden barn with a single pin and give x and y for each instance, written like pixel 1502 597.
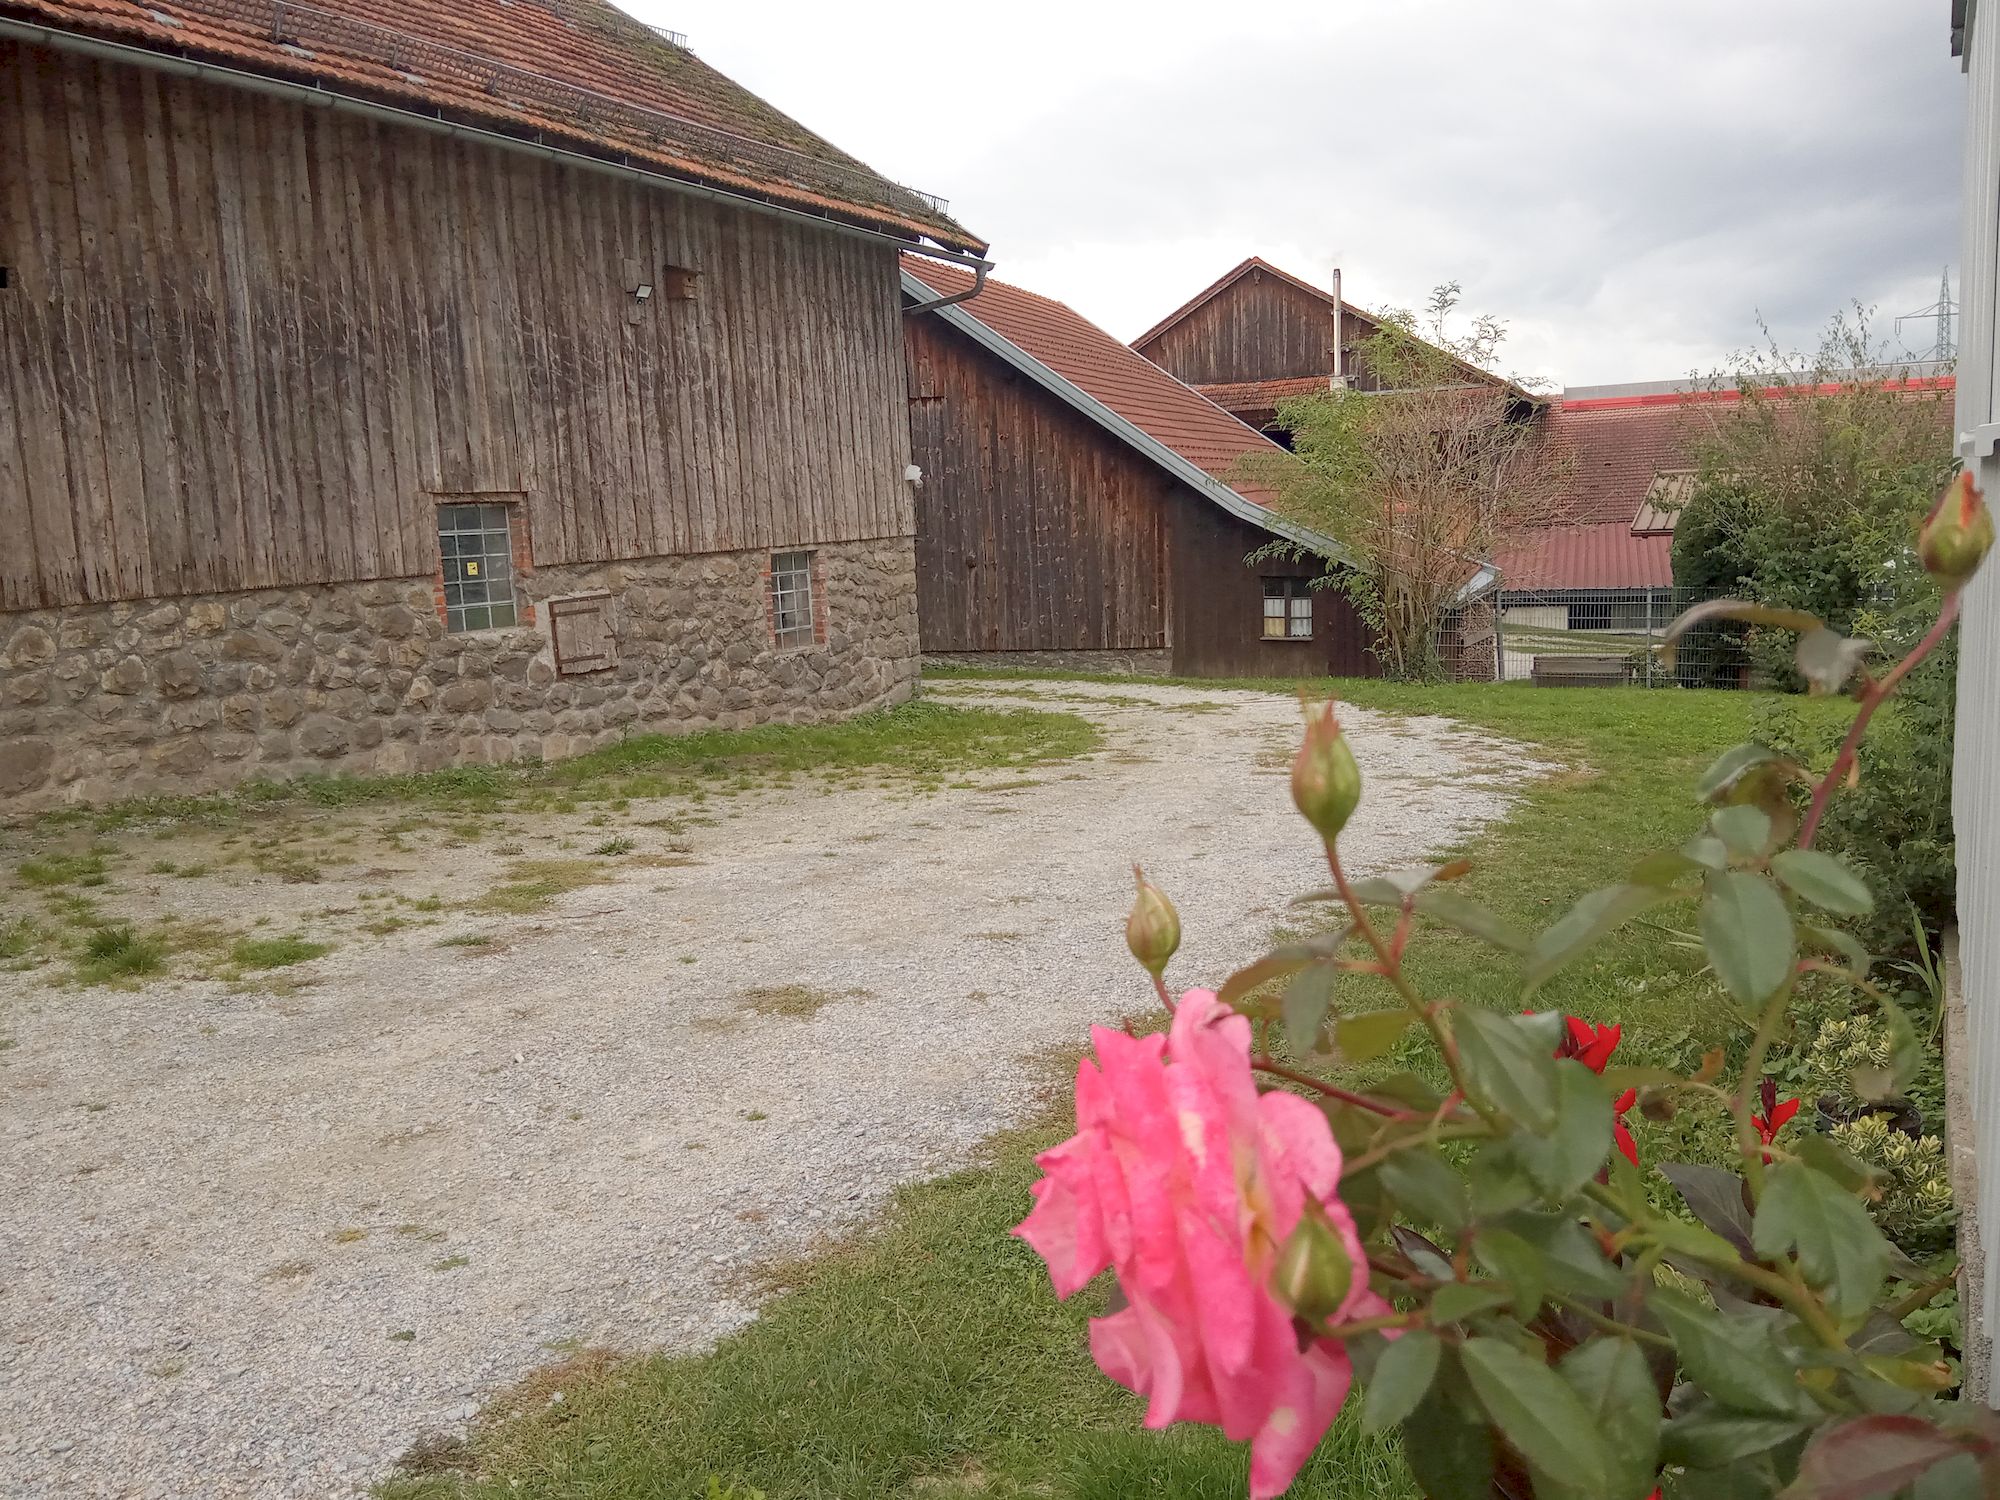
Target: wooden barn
pixel 1079 507
pixel 388 383
pixel 1258 336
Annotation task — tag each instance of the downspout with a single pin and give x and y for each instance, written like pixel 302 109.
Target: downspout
pixel 979 270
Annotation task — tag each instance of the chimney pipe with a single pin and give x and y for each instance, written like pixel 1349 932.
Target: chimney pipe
pixel 1338 381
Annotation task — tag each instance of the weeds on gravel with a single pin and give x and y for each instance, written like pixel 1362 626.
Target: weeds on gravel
pixel 797 1001
pixel 920 740
pixel 275 953
pixel 532 884
pixel 63 869
pixel 114 953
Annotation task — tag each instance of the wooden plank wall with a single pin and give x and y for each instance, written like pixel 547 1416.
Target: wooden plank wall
pixel 1218 608
pixel 245 343
pixel 1260 327
pixel 1036 529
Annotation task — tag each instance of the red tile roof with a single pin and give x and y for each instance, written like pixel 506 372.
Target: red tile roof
pixel 1617 450
pixel 1261 395
pixel 1600 555
pixel 1130 384
pixel 577 71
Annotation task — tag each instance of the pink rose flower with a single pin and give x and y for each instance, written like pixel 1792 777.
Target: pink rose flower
pixel 1187 1181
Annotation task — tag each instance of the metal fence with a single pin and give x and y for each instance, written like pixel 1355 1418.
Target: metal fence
pixel 1611 638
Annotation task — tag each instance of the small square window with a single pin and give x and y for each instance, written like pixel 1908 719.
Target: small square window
pixel 476 559
pixel 792 599
pixel 1288 609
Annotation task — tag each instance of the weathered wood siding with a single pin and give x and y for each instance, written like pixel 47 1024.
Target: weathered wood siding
pixel 1036 530
pixel 1259 327
pixel 246 343
pixel 1218 606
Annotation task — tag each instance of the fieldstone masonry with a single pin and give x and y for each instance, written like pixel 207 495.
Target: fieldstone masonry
pixel 192 694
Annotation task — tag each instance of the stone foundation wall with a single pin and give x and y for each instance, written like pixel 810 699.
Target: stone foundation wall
pixel 196 693
pixel 1141 662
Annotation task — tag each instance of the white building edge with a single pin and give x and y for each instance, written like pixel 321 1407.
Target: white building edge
pixel 1973 1038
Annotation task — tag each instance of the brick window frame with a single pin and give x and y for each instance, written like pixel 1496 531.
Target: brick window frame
pixel 815 571
pixel 519 545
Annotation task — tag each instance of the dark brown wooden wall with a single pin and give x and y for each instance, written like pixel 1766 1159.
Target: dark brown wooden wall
pixel 246 343
pixel 1218 613
pixel 1260 327
pixel 1036 529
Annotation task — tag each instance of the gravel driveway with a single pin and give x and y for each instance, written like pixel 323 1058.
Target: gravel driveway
pixel 255 1245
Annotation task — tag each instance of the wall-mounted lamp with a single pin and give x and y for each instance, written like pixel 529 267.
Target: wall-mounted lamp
pixel 643 291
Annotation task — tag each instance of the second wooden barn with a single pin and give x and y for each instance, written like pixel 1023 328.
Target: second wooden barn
pixel 1081 508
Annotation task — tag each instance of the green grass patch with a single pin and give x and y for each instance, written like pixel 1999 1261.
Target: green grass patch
pixel 921 741
pixel 110 954
pixel 275 953
pixel 532 885
pixel 50 870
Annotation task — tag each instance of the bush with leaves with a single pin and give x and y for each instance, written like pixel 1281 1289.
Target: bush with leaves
pixel 1481 1246
pixel 1806 489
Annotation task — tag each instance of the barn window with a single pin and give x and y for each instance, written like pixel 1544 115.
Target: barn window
pixel 1288 610
pixel 792 599
pixel 476 556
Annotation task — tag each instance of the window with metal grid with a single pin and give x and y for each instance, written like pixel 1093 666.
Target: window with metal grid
pixel 1288 610
pixel 792 598
pixel 476 551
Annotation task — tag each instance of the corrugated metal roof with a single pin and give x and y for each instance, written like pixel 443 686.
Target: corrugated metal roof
pixel 1133 386
pixel 579 71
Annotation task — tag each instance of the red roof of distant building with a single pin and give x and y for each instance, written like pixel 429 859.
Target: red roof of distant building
pixel 1131 385
pixel 1617 451
pixel 579 72
pixel 1598 555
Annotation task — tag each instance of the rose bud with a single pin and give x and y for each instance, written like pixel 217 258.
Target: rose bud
pixel 1326 783
pixel 1153 930
pixel 1314 1274
pixel 1957 534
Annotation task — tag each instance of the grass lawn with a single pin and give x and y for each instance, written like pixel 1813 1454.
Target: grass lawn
pixel 929 1359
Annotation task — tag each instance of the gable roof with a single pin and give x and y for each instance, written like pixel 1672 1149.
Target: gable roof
pixel 578 74
pixel 1228 279
pixel 1122 391
pixel 1347 309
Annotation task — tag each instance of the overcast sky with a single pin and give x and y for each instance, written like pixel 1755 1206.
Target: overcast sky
pixel 1628 186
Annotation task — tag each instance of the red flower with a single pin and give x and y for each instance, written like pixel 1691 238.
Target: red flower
pixel 1776 1114
pixel 1619 1133
pixel 1590 1045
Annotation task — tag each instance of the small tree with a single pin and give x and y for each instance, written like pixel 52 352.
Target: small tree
pixel 1807 485
pixel 1421 478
